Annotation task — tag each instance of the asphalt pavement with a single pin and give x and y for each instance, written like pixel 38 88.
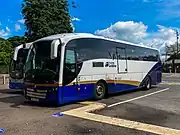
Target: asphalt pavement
pixel 162 109
pixel 159 106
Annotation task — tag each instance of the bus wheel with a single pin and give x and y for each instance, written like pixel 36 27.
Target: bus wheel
pixel 100 90
pixel 148 84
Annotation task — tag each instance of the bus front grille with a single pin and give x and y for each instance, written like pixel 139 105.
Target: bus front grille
pixel 36 94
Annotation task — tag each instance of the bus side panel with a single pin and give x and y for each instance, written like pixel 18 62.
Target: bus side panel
pixel 155 74
pixel 114 88
pixel 72 93
pixel 16 83
pixel 13 85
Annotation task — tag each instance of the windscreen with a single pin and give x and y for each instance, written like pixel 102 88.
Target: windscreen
pixel 16 67
pixel 39 65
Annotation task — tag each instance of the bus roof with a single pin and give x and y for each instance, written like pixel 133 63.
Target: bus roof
pixel 66 37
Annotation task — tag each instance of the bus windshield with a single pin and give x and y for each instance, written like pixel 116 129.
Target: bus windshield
pixel 39 65
pixel 17 66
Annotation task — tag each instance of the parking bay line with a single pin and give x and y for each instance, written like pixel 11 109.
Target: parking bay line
pixel 129 100
pixel 86 113
pixel 171 83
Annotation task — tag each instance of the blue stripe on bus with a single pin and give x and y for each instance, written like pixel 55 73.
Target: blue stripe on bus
pixel 69 94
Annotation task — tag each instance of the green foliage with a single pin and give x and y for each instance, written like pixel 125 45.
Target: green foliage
pixel 46 17
pixel 4 69
pixel 17 40
pixel 5 51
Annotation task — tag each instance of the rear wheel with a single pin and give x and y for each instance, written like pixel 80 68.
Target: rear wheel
pixel 100 91
pixel 148 84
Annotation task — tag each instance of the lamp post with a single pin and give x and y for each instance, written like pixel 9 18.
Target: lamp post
pixel 74 6
pixel 177 36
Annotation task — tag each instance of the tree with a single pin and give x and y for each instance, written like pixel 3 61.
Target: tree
pixel 17 40
pixel 172 52
pixel 46 17
pixel 5 51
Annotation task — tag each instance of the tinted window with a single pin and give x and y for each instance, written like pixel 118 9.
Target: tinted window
pixel 98 64
pixel 121 53
pixel 88 49
pixel 140 53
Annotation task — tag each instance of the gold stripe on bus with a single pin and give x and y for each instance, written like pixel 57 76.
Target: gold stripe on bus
pixel 38 94
pixel 110 81
pixel 130 82
pixel 87 82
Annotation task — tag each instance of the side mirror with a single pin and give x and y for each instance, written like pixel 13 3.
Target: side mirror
pixel 16 50
pixel 24 45
pixel 54 48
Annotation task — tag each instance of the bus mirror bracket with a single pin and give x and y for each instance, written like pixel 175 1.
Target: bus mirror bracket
pixel 24 45
pixel 54 48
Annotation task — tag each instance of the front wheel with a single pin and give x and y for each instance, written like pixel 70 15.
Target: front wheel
pixel 100 91
pixel 148 84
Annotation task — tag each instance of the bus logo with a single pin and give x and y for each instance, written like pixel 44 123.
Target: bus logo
pixel 110 64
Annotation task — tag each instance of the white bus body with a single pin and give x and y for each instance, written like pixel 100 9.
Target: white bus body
pixel 87 66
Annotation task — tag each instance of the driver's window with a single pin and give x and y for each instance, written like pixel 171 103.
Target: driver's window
pixel 70 56
pixel 70 60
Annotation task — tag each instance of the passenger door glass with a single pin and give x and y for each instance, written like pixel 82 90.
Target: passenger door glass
pixel 70 60
pixel 121 60
pixel 69 67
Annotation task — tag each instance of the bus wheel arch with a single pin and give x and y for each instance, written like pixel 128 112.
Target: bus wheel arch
pixel 101 90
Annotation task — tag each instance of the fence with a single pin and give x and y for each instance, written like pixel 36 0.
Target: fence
pixel 4 79
pixel 4 74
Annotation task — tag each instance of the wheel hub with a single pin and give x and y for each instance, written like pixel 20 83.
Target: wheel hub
pixel 99 90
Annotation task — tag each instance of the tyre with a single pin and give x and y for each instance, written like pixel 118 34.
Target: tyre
pixel 100 91
pixel 148 84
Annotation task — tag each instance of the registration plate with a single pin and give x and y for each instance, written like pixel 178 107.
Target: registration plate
pixel 34 99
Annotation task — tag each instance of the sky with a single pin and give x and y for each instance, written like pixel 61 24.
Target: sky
pixel 148 22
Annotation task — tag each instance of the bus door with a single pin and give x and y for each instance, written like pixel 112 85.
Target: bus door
pixel 121 60
pixel 69 76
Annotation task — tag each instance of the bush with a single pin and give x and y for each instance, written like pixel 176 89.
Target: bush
pixel 4 69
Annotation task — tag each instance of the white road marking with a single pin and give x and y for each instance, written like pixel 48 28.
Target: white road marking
pixel 126 101
pixel 86 113
pixel 171 83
